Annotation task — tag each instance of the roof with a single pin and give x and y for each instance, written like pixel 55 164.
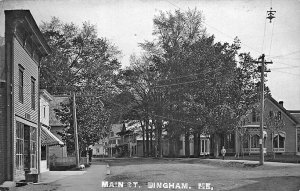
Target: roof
pixel 294 119
pixel 296 114
pixel 47 138
pixel 46 94
pixel 55 104
pixel 21 16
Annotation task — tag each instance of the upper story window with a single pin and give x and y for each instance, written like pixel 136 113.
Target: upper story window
pixel 279 115
pixel 33 93
pixel 21 84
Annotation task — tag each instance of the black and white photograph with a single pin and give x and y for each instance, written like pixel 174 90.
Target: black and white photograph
pixel 141 95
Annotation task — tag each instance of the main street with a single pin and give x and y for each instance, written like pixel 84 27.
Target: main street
pixel 175 174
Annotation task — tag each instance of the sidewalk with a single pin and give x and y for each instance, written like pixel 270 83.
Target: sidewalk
pixel 52 176
pixel 90 180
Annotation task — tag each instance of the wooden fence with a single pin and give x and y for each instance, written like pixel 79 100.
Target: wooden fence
pixel 67 161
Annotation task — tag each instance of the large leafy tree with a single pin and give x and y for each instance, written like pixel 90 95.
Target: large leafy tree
pixel 79 58
pixel 86 64
pixel 201 87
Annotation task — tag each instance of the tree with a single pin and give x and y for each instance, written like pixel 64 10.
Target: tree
pixel 199 80
pixel 81 62
pixel 79 58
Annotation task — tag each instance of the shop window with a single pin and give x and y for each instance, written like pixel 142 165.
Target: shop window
pixel 19 146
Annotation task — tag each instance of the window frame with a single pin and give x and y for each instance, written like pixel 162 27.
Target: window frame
pixel 21 83
pixel 33 92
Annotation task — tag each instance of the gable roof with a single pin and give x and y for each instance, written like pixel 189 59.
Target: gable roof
pixel 295 113
pixel 294 119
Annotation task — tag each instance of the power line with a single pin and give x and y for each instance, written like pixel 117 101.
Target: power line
pixel 298 75
pixel 287 54
pixel 220 31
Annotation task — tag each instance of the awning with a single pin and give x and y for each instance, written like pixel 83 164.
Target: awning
pixel 280 133
pixel 47 138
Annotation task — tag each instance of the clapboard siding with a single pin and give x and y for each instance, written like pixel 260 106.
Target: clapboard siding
pixel 30 70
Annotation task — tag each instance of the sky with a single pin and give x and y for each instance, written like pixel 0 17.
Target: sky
pixel 129 22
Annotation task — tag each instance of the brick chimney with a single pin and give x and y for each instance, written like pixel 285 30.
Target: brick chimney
pixel 281 103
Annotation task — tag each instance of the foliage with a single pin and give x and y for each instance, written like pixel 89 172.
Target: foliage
pixel 81 62
pixel 187 81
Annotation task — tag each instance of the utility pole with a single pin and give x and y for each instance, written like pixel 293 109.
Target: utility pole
pixel 75 131
pixel 73 95
pixel 262 98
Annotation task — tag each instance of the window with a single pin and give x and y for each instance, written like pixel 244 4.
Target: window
pixel 271 114
pixel 255 141
pixel 111 134
pixel 279 115
pixel 255 116
pixel 279 140
pixel 21 84
pixel 298 140
pixel 33 93
pixel 44 111
pixel 19 146
pixel 33 147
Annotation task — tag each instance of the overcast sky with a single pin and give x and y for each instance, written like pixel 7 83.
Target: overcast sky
pixel 128 22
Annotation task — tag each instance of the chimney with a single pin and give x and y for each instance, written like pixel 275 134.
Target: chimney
pixel 281 103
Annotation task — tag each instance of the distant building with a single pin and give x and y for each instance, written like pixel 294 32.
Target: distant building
pixel 48 139
pixel 296 114
pixel 281 130
pixel 57 127
pixel 99 149
pixel 25 47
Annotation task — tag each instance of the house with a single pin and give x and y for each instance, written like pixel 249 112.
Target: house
pixel 113 140
pixel 57 128
pixel 280 130
pixel 121 141
pixel 25 47
pixel 203 145
pixel 296 114
pixel 98 150
pixel 48 139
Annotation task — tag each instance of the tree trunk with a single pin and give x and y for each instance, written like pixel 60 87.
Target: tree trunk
pixel 147 137
pixel 187 143
pixel 159 125
pixel 216 142
pixel 196 145
pixel 151 142
pixel 143 130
